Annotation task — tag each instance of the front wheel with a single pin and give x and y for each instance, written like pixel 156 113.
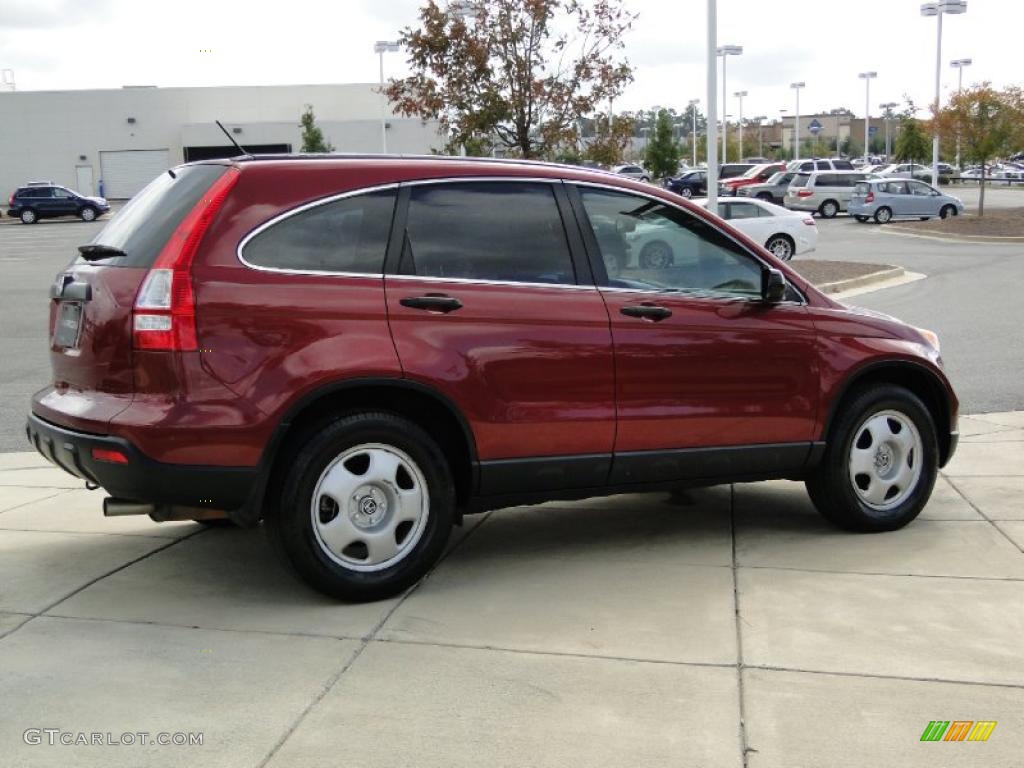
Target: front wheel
pixel 883 215
pixel 880 463
pixel 87 214
pixel 947 211
pixel 781 247
pixel 686 192
pixel 365 508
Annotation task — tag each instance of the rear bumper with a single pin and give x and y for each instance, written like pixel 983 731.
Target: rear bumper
pixel 141 478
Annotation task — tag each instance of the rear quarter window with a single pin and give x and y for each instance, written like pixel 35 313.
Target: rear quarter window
pixel 345 235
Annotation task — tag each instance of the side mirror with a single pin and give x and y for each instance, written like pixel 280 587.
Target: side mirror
pixel 773 286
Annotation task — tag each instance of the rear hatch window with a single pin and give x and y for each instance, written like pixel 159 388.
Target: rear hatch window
pixel 800 180
pixel 861 189
pixel 144 225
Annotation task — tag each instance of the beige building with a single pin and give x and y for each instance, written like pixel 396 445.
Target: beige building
pixel 124 137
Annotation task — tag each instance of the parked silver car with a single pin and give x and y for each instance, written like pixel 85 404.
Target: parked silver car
pixel 886 199
pixel 632 171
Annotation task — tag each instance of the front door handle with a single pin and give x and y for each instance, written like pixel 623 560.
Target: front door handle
pixel 647 312
pixel 432 302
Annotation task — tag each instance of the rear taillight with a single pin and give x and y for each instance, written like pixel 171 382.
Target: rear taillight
pixel 10 200
pixel 809 221
pixel 804 193
pixel 164 316
pixel 869 197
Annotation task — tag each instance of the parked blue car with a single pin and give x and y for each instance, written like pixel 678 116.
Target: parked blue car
pixel 886 199
pixel 689 184
pixel 45 200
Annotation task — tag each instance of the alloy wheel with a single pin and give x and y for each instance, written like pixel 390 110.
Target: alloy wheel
pixel 886 458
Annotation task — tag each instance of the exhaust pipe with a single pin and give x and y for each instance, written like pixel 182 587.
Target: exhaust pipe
pixel 159 513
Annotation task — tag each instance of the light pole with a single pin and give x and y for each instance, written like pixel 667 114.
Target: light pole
pixel 938 10
pixel 888 107
pixel 867 77
pixel 739 95
pixel 693 114
pixel 959 64
pixel 796 119
pixel 725 51
pixel 760 133
pixel 380 48
pixel 712 117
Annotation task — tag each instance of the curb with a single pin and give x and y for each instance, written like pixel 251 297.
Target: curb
pixel 996 239
pixel 863 281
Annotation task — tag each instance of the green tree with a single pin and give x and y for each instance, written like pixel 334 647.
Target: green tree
pixel 312 136
pixel 608 142
pixel 661 155
pixel 912 144
pixel 520 71
pixel 990 124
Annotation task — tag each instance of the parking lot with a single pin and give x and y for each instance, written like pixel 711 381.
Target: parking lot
pixel 719 627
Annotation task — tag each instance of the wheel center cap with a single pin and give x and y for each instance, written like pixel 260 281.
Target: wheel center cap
pixel 883 459
pixel 369 506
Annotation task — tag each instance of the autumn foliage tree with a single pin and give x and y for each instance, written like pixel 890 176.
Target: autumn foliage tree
pixel 518 71
pixel 610 140
pixel 990 125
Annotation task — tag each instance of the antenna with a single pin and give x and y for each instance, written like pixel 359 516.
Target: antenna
pixel 232 139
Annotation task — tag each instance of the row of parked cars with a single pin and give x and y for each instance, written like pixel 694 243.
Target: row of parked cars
pixel 828 187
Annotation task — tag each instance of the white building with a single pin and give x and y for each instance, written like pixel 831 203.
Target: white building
pixel 125 137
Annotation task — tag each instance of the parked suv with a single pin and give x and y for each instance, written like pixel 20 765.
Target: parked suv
pixel 359 351
pixel 817 164
pixel 826 193
pixel 47 201
pixel 771 191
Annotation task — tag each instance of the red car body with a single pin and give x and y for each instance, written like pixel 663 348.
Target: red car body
pixel 534 391
pixel 758 175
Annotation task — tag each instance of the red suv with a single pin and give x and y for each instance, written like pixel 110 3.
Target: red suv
pixel 358 351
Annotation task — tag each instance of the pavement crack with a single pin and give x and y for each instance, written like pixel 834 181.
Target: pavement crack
pixel 977 509
pixel 745 747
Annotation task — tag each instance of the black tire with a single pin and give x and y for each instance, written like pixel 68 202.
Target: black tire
pixel 28 216
pixel 656 254
pixel 88 213
pixel 924 218
pixel 883 215
pixel 947 211
pixel 831 486
pixel 781 246
pixel 645 178
pixel 218 522
pixel 289 521
pixel 766 196
pixel 686 192
pixel 829 209
pixel 861 219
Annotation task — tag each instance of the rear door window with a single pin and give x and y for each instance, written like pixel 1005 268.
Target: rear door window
pixel 345 235
pixel 826 180
pixel 494 231
pixel 824 165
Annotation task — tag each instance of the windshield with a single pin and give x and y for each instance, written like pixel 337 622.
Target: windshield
pixel 144 225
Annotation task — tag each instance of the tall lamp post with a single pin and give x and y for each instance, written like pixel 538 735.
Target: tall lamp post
pixel 938 10
pixel 693 114
pixel 796 119
pixel 889 106
pixel 380 48
pixel 712 116
pixel 959 65
pixel 867 77
pixel 739 95
pixel 726 51
pixel 760 133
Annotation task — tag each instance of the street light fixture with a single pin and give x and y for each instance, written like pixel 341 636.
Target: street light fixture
pixel 739 95
pixel 760 133
pixel 959 65
pixel 380 48
pixel 693 114
pixel 796 119
pixel 888 107
pixel 711 72
pixel 867 77
pixel 939 10
pixel 725 51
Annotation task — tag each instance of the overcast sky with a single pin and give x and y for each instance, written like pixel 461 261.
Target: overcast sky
pixel 72 44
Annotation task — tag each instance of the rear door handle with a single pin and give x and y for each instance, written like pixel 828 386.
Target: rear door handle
pixel 647 312
pixel 432 302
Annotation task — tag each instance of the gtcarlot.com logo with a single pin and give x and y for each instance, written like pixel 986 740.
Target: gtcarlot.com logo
pixel 958 730
pixel 57 737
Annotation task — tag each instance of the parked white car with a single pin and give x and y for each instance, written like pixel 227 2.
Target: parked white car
pixel 632 171
pixel 652 245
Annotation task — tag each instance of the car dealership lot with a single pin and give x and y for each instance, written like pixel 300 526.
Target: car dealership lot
pixel 634 630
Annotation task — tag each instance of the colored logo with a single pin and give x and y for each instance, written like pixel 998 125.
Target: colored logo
pixel 958 730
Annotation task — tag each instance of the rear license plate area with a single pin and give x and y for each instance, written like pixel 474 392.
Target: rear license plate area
pixel 69 325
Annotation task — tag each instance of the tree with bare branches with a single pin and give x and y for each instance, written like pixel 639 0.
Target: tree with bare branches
pixel 519 72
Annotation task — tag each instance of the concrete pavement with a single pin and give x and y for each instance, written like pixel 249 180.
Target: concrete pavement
pixel 722 627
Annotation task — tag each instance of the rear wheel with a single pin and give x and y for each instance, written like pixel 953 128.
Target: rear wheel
pixel 686 192
pixel 781 247
pixel 947 211
pixel 28 216
pixel 883 215
pixel 87 214
pixel 829 209
pixel 656 255
pixel 366 507
pixel 880 464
